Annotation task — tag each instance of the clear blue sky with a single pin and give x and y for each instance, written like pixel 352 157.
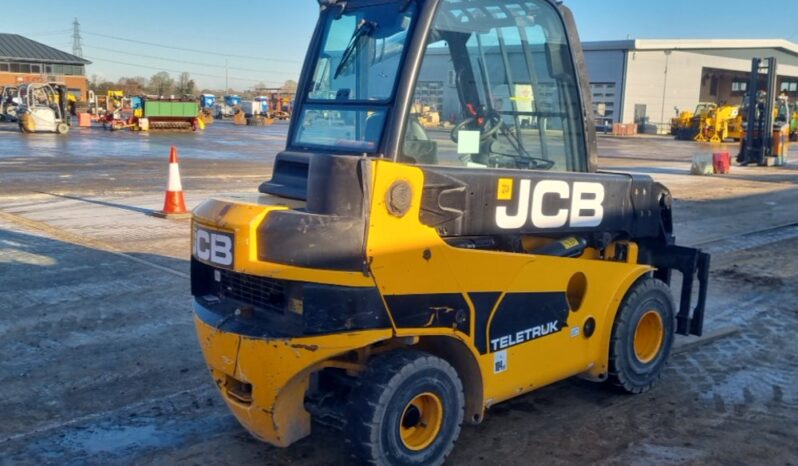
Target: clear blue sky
pixel 280 30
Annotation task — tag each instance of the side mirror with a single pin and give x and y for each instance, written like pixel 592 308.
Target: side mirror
pixel 559 60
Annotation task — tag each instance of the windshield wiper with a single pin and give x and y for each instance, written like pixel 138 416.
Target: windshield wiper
pixel 364 29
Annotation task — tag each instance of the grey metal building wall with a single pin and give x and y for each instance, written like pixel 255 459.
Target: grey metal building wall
pixel 606 77
pixel 652 78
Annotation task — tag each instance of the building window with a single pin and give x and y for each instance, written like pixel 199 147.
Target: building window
pixel 20 68
pixel 4 67
pixel 35 68
pixel 739 86
pixel 789 86
pixel 73 70
pixel 430 94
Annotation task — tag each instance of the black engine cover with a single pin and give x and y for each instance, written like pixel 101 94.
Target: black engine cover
pixel 467 202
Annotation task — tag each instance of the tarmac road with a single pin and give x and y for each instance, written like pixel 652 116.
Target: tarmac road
pixel 101 365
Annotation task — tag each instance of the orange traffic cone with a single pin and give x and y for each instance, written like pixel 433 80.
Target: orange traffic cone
pixel 174 204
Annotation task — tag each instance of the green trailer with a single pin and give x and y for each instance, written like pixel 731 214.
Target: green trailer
pixel 169 114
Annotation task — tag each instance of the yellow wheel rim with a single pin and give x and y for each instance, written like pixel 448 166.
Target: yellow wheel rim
pixel 649 336
pixel 421 421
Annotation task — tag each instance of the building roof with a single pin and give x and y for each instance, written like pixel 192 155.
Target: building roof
pixel 693 44
pixel 17 48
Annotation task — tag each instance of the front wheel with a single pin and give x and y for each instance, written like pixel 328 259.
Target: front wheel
pixel 642 336
pixel 407 409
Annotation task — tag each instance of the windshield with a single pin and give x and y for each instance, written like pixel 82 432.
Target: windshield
pixel 497 89
pixel 358 63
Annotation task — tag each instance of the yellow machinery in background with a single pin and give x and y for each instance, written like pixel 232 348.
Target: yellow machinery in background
pixel 207 108
pixel 787 112
pixel 206 115
pixel 682 120
pixel 719 124
pixel 239 117
pixel 794 122
pixel 687 125
pixel 396 285
pixel 103 105
pixel 114 99
pixel 427 117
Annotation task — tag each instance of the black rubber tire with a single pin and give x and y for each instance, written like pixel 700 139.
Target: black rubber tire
pixel 378 401
pixel 627 372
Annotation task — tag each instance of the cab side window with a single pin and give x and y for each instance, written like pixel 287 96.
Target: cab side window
pixel 497 89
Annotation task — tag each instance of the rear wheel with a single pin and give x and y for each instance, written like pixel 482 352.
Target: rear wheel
pixel 406 410
pixel 642 336
pixel 62 128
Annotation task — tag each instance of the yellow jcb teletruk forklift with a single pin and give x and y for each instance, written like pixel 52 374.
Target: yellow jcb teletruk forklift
pixel 397 281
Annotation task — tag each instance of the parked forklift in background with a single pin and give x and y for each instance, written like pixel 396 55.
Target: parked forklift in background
pixel 767 118
pixel 9 103
pixel 43 108
pixel 395 282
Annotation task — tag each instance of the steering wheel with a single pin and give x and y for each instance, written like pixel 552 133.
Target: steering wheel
pixel 488 125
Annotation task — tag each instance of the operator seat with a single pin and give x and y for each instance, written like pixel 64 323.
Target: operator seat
pixel 417 145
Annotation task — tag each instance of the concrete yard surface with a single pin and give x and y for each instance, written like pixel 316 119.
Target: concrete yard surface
pixel 101 365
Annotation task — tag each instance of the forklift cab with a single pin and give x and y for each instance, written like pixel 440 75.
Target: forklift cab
pixel 44 108
pixel 502 76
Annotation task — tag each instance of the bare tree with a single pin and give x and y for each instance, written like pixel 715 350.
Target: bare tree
pixel 102 87
pixel 185 85
pixel 161 84
pixel 136 85
pixel 289 86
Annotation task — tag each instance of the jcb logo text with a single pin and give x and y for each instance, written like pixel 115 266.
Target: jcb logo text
pixel 552 204
pixel 214 247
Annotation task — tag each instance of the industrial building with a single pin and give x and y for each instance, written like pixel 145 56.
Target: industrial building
pixel 644 81
pixel 23 60
pixel 632 81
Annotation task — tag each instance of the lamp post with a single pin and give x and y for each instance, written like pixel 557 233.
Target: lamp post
pixel 665 86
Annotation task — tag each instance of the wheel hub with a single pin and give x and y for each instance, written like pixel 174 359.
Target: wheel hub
pixel 649 336
pixel 421 421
